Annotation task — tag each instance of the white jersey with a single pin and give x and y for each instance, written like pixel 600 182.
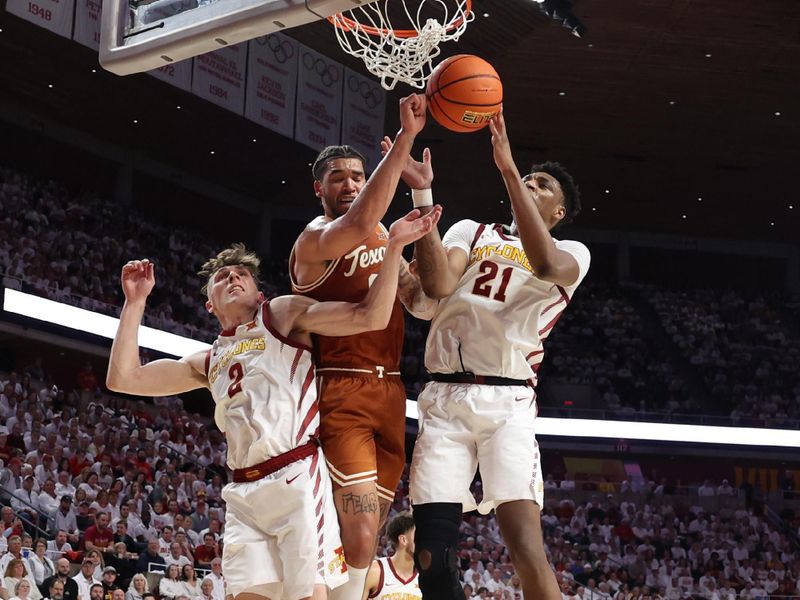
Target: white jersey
pixel 394 587
pixel 497 319
pixel 263 387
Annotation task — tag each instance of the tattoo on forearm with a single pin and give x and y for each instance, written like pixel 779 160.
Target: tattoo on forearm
pixel 355 504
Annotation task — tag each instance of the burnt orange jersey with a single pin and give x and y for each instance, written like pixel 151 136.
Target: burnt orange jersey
pixel 347 279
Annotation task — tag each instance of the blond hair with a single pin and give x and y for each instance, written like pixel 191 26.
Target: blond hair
pixel 237 255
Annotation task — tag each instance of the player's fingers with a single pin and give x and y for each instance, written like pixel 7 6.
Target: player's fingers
pixel 413 215
pixel 150 272
pixel 426 156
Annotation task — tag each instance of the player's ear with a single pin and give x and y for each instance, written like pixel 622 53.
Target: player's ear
pixel 261 297
pixel 209 307
pixel 560 212
pixel 318 188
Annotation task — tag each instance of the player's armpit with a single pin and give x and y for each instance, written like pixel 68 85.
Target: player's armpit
pixel 373 580
pixel 562 269
pixel 163 377
pixel 324 240
pixel 411 294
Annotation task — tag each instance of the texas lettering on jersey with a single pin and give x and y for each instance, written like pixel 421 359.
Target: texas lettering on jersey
pixel 363 258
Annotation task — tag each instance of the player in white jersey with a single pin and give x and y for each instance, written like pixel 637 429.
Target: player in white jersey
pixel 501 291
pixel 281 534
pixel 394 577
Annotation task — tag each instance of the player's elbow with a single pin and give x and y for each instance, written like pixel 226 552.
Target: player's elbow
pixel 437 288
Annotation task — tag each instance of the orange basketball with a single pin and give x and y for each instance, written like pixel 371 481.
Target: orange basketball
pixel 464 92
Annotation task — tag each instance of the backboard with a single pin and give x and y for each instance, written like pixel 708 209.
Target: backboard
pixel 140 35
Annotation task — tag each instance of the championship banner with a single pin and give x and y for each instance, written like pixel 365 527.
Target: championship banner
pixel 363 116
pixel 178 74
pixel 319 100
pixel 87 23
pixel 219 77
pixel 53 15
pixel 272 82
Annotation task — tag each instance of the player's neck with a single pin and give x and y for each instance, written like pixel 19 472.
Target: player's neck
pixel 237 316
pixel 403 564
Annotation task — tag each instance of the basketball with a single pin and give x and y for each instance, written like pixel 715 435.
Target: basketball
pixel 464 92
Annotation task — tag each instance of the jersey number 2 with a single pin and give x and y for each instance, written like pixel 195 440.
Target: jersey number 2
pixel 483 284
pixel 236 372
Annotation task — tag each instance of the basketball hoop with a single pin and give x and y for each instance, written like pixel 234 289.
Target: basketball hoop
pixel 403 54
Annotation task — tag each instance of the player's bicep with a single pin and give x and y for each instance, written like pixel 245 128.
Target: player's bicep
pixel 167 376
pixel 328 240
pixel 328 318
pixel 569 265
pixel 457 261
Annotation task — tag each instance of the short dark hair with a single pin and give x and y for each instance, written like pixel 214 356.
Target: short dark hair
pixel 331 153
pixel 572 195
pixel 399 525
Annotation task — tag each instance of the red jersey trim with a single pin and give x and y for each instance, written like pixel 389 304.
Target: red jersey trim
pixel 378 589
pixel 207 362
pixel 400 579
pixel 280 336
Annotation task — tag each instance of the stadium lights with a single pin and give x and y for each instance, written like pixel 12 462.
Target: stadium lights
pixel 56 313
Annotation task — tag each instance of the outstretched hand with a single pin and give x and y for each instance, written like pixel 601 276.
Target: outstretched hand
pixel 412 227
pixel 416 175
pixel 138 278
pixel 502 147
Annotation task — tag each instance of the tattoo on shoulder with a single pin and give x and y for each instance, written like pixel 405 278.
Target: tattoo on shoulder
pixel 357 504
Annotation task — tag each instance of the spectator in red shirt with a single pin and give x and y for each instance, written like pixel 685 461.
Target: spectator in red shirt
pixel 99 536
pixel 203 555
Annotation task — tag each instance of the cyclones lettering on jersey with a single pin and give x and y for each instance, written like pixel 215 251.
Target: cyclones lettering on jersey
pixel 364 258
pixel 508 251
pixel 259 344
pixel 399 596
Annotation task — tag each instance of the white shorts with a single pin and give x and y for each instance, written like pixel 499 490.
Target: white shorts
pixel 282 534
pixel 462 426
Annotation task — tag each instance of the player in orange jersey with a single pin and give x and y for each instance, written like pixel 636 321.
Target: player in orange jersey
pixel 362 399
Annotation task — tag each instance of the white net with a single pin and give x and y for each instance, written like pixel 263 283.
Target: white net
pixel 406 53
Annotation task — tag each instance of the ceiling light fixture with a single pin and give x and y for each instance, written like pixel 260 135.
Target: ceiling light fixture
pixel 486 15
pixel 213 152
pixel 777 113
pixel 178 107
pixel 683 216
pixel 561 11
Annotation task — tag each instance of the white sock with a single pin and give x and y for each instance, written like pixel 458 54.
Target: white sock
pixel 354 588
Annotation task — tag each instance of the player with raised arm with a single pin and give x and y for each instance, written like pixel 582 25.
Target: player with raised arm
pixel 394 577
pixel 281 534
pixel 501 291
pixel 362 399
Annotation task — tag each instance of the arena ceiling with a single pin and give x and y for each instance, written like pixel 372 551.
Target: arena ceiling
pixel 674 115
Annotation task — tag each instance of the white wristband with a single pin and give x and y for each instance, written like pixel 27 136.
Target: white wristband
pixel 422 198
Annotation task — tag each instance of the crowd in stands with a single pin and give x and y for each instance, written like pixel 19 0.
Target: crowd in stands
pixel 127 496
pixel 741 346
pixel 71 247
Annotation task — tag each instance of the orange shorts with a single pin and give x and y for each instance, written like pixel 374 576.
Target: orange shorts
pixel 362 429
